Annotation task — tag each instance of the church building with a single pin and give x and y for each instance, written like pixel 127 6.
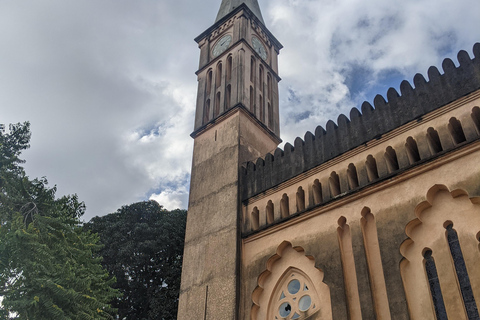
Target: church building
pixel 375 216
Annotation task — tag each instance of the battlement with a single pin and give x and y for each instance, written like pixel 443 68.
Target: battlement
pixel 373 122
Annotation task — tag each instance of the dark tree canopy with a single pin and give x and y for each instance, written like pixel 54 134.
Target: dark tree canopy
pixel 143 249
pixel 47 265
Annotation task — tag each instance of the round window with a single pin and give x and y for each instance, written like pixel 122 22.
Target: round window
pixel 293 286
pixel 285 309
pixel 304 303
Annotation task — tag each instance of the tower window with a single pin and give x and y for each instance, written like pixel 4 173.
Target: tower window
pixel 252 70
pixel 206 112
pixel 334 183
pixel 284 207
pixel 269 87
pixel 218 77
pixel 229 68
pixel 352 176
pixel 255 219
pixel 300 200
pixel 262 118
pixel 209 82
pixel 260 78
pixel 270 116
pixel 270 212
pixel 252 101
pixel 228 97
pixel 217 104
pixel 372 171
pixel 317 192
pixel 434 284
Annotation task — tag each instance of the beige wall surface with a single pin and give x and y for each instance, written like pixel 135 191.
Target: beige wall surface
pixel 358 238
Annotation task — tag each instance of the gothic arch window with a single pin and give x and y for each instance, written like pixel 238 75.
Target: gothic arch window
pixel 209 82
pixel 270 212
pixel 442 246
pixel 391 159
pixel 284 206
pixel 456 130
pixel 229 67
pixel 255 218
pixel 270 116
pixel 372 171
pixel 217 104
pixel 218 76
pixel 206 112
pixel 317 192
pixel 352 176
pixel 300 199
pixel 434 141
pixel 228 97
pixel 261 108
pixel 252 101
pixel 334 184
pixel 291 288
pixel 412 150
pixel 252 69
pixel 269 86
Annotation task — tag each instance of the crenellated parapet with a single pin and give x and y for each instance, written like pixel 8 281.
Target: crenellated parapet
pixel 371 123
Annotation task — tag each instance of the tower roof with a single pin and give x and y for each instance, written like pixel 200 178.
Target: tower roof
pixel 228 6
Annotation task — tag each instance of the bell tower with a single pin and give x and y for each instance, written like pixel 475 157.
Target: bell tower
pixel 236 120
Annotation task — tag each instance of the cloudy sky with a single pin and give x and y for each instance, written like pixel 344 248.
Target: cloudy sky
pixel 109 85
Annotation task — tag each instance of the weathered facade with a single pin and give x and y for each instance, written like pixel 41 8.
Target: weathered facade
pixel 377 216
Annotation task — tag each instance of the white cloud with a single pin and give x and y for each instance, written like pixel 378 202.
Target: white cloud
pixel 110 89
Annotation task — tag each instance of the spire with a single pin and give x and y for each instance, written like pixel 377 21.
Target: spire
pixel 228 6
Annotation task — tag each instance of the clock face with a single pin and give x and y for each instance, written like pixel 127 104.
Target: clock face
pixel 222 45
pixel 259 48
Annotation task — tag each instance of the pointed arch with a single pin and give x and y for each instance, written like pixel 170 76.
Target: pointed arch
pixel 441 209
pixel 291 266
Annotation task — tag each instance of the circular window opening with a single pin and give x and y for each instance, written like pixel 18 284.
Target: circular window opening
pixel 304 303
pixel 293 286
pixel 285 309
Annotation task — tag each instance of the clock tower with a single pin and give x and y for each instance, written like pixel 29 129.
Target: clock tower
pixel 236 120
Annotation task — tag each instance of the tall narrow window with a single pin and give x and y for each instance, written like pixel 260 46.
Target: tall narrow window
pixel 434 284
pixel 217 104
pixel 270 116
pixel 229 68
pixel 352 176
pixel 255 219
pixel 206 112
pixel 260 79
pixel 434 141
pixel 462 275
pixel 334 184
pixel 260 106
pixel 372 171
pixel 300 200
pixel 317 192
pixel 252 70
pixel 209 82
pixel 218 76
pixel 252 101
pixel 456 130
pixel 476 117
pixel 270 212
pixel 284 206
pixel 269 87
pixel 228 97
pixel 412 150
pixel 391 159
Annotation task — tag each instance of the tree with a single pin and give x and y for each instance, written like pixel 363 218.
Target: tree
pixel 47 264
pixel 143 249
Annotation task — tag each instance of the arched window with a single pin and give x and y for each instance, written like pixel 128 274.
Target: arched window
pixel 218 77
pixel 352 176
pixel 434 141
pixel 270 212
pixel 217 104
pixel 412 150
pixel 334 184
pixel 260 105
pixel 228 97
pixel 284 206
pixel 255 218
pixel 206 112
pixel 252 101
pixel 456 130
pixel 434 285
pixel 269 87
pixel 252 70
pixel 270 116
pixel 391 159
pixel 300 200
pixel 372 171
pixel 229 68
pixel 260 78
pixel 317 192
pixel 209 82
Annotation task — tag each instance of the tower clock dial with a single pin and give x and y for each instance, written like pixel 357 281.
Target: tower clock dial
pixel 259 47
pixel 222 45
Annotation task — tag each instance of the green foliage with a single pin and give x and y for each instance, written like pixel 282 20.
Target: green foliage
pixel 48 268
pixel 143 250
